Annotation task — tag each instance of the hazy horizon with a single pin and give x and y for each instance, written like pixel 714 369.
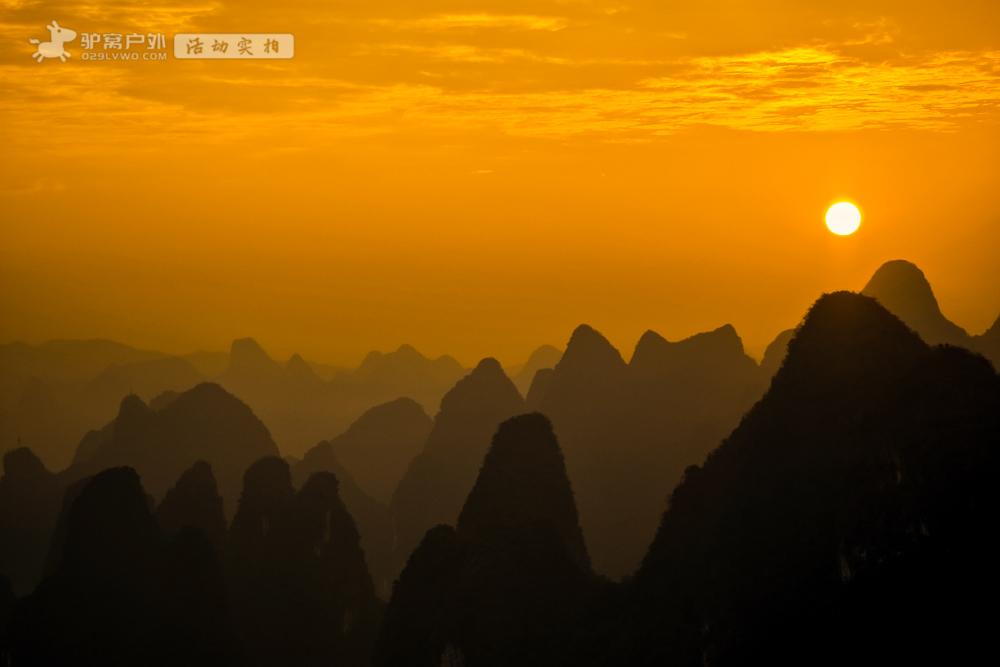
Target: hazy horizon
pixel 478 178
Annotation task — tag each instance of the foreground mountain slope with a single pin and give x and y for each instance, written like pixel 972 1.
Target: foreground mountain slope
pixel 509 584
pixel 868 470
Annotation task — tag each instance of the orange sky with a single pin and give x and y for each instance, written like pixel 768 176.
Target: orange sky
pixel 479 177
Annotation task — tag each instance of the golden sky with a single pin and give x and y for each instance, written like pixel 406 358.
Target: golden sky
pixel 479 177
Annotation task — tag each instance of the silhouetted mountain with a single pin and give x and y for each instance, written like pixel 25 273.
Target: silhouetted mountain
pixel 301 590
pixel 299 371
pixel 29 504
pixel 546 356
pixel 51 394
pixel 120 596
pixel 438 480
pixel 523 482
pixel 902 289
pixel 380 444
pixel 842 519
pixel 539 385
pixel 373 518
pixel 204 423
pixel 400 371
pixel 507 585
pixel 194 502
pixel 775 353
pixel 301 408
pixel 629 430
pixel 7 600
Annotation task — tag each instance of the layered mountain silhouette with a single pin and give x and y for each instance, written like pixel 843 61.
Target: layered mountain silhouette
pixel 372 518
pixel 438 480
pixel 369 459
pixel 843 518
pixel 53 393
pixel 300 587
pixel 508 584
pixel 120 593
pixel 903 289
pixel 542 358
pixel 380 444
pixel 630 429
pixel 205 423
pixel 302 408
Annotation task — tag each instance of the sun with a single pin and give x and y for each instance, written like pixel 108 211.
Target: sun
pixel 843 218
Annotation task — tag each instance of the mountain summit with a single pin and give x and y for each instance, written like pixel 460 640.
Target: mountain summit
pixel 902 288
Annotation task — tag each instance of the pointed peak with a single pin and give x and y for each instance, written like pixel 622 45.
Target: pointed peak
pixel 902 288
pixel 488 365
pixel 23 463
pixel 132 408
pixel 846 335
pixel 485 384
pixel 199 474
pixel 247 347
pixel 544 356
pixel 587 345
pixel 523 483
pixel 408 351
pixel 299 368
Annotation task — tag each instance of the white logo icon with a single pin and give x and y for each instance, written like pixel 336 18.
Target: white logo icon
pixel 54 47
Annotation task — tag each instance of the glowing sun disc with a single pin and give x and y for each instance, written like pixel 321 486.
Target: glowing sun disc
pixel 843 218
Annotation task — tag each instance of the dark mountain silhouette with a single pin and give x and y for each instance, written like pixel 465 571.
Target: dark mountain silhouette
pixel 29 504
pixel 903 289
pixel 119 594
pixel 204 423
pixel 194 502
pixel 7 600
pixel 841 520
pixel 372 518
pixel 505 586
pixel 523 482
pixel 629 430
pixel 544 357
pixel 380 444
pixel 438 480
pixel 301 590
